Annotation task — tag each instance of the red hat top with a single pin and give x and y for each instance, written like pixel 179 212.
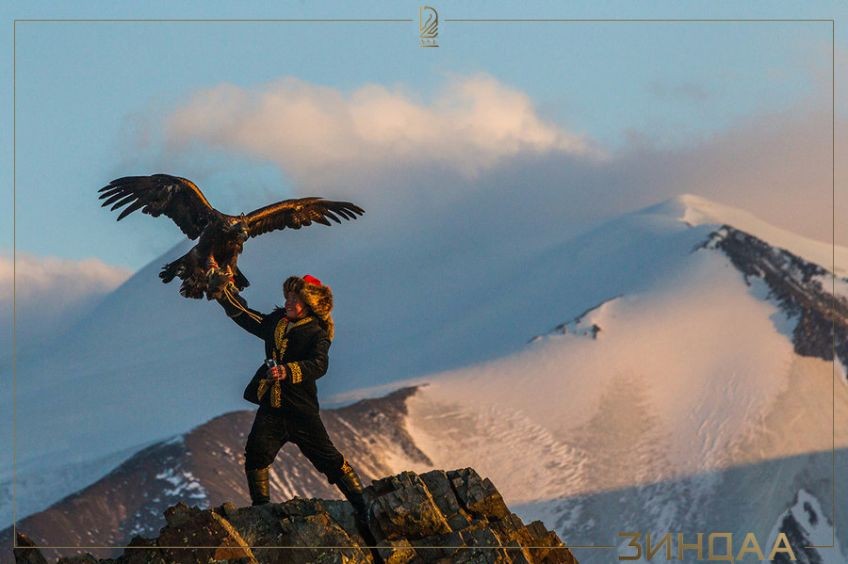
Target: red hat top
pixel 309 279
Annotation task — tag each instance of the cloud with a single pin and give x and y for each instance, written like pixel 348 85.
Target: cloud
pixel 479 159
pixel 50 294
pixel 318 134
pixel 779 166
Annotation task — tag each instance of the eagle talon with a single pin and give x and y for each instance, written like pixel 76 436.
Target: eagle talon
pixel 219 283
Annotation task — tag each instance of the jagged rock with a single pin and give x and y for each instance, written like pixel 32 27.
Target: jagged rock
pixel 312 525
pixel 580 325
pixel 795 284
pixel 190 526
pixel 454 516
pixel 404 508
pixel 439 485
pixel 477 495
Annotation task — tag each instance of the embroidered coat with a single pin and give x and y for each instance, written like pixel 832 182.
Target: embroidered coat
pixel 301 347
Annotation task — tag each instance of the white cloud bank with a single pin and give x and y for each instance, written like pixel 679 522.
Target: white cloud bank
pixel 50 294
pixel 314 132
pixel 479 150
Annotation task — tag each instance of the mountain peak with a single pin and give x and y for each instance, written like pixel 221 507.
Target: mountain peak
pixel 697 210
pixel 694 210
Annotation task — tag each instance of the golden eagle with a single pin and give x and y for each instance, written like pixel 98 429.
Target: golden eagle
pixel 211 265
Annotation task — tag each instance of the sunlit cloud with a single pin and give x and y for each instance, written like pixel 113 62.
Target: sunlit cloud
pixel 315 132
pixel 479 150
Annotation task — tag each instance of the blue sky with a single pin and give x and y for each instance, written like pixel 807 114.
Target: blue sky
pixel 92 97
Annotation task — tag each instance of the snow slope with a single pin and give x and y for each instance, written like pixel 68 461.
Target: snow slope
pixel 147 364
pixel 654 403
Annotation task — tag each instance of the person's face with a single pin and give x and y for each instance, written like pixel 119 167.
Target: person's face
pixel 295 308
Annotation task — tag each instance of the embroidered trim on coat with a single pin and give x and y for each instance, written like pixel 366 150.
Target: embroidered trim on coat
pixel 296 372
pixel 300 322
pixel 263 387
pixel 276 391
pixel 276 394
pixel 280 337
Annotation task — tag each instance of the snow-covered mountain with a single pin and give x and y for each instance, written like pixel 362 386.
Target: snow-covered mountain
pixel 704 398
pixel 691 390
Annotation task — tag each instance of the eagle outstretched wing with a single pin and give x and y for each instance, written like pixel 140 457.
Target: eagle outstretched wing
pixel 299 212
pixel 178 198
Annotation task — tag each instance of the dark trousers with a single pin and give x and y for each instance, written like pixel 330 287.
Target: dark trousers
pixel 272 430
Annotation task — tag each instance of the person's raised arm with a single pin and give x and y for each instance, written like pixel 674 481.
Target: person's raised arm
pixel 248 319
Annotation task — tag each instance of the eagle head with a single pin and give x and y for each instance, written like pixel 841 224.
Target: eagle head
pixel 237 229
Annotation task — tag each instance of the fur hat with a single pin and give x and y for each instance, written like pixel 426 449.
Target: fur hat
pixel 317 296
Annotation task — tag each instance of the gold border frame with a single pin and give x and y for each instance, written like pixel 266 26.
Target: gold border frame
pixel 408 20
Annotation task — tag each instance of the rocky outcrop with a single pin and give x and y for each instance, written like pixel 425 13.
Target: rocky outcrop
pixel 580 325
pixel 798 286
pixel 437 516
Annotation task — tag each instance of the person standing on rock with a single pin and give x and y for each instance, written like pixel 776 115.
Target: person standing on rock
pixel 297 339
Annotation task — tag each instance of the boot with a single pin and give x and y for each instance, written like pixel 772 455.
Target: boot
pixel 257 483
pixel 351 486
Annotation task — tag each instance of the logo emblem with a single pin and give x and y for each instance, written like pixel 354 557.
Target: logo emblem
pixel 428 26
